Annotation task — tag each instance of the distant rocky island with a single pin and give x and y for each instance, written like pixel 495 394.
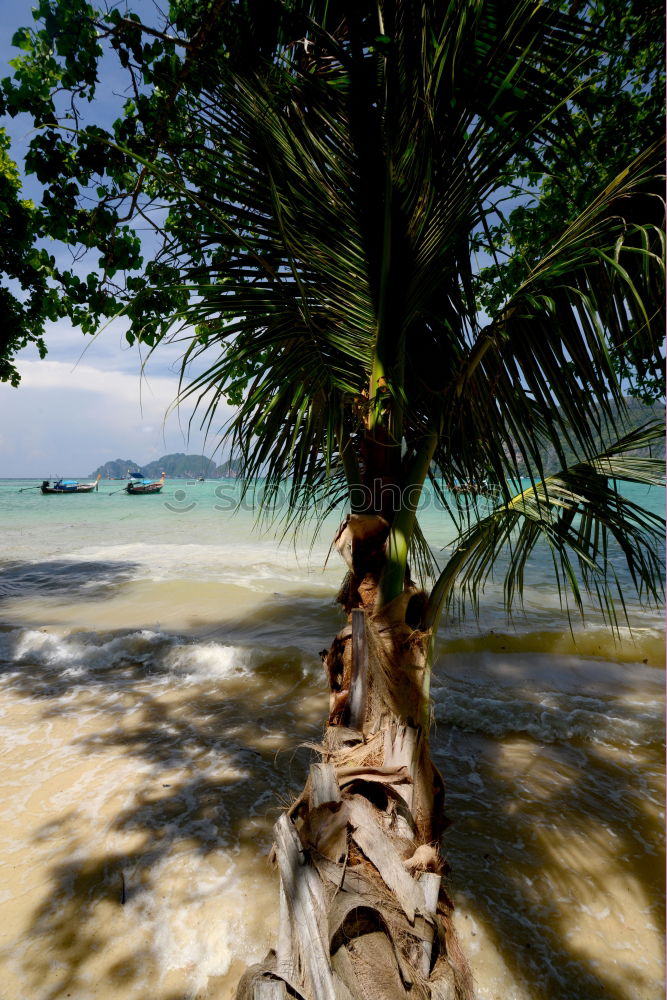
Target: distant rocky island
pixel 178 466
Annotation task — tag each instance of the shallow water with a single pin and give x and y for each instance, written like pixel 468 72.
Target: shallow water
pixel 160 675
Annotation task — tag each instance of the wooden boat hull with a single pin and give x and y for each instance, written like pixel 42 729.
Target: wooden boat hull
pixel 82 488
pixel 143 490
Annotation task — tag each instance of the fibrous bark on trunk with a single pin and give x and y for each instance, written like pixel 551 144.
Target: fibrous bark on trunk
pixel 364 915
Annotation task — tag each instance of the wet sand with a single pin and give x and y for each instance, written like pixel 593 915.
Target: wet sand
pixel 155 699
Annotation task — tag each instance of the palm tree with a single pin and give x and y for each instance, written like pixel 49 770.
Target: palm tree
pixel 331 183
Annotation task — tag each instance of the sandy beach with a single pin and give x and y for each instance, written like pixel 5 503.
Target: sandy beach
pixel 160 677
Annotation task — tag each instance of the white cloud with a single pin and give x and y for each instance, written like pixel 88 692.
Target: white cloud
pixel 108 348
pixel 67 420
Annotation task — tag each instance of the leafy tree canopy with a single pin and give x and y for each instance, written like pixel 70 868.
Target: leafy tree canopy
pixel 615 113
pixel 23 312
pixel 106 186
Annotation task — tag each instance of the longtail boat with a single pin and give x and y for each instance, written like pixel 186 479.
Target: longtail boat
pixel 144 486
pixel 69 486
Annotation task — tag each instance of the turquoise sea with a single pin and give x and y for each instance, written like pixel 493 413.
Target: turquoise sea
pixel 160 674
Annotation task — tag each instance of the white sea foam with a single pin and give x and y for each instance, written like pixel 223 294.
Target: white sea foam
pixel 209 660
pixel 82 655
pixel 207 929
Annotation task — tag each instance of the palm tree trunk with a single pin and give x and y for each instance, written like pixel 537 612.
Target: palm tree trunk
pixel 364 914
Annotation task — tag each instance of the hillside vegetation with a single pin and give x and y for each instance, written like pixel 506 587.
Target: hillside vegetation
pixel 176 466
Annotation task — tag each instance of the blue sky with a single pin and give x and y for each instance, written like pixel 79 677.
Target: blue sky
pixel 89 400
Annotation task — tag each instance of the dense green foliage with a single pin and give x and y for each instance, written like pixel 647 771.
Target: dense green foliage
pixel 98 195
pixel 612 119
pixel 21 264
pixel 304 189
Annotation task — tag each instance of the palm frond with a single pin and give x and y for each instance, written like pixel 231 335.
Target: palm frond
pixel 556 335
pixel 422 558
pixel 588 525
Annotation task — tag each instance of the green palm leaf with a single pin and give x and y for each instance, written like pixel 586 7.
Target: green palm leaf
pixel 586 522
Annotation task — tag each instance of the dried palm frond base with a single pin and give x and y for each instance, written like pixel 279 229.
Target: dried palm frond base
pixel 363 914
